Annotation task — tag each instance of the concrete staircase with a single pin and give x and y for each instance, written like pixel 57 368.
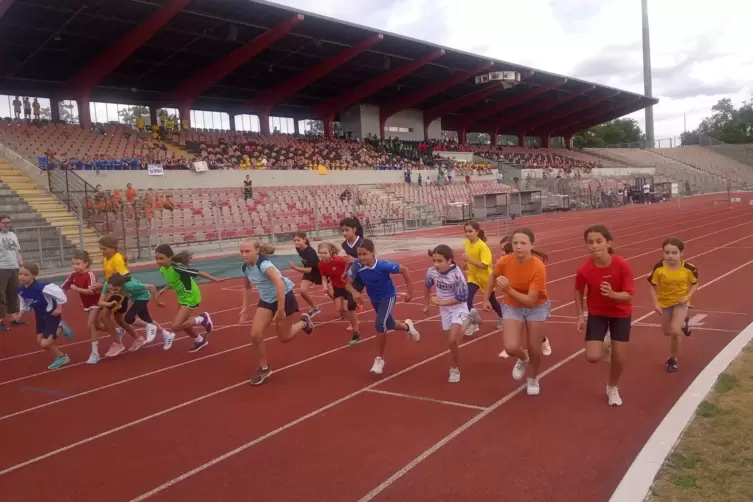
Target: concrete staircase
pixel 52 212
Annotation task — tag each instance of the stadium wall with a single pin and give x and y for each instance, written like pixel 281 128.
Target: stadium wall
pixel 222 179
pixel 363 120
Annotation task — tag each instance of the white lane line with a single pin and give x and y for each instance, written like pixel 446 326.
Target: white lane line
pixel 429 399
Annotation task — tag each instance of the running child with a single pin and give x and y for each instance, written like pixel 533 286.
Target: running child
pixel 180 278
pixel 451 297
pixel 83 281
pixel 276 303
pixel 375 275
pixel 478 258
pixel 546 348
pixel 138 295
pixel 309 269
pixel 332 268
pixel 353 234
pixel 115 261
pixel 522 278
pixel 608 284
pixel 674 282
pixel 46 300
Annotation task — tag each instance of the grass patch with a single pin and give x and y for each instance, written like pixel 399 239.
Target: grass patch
pixel 714 458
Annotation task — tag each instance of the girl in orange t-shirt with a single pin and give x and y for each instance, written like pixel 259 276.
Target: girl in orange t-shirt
pixel 522 278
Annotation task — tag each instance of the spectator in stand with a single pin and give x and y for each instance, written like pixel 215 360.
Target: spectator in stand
pixel 17 108
pixel 36 108
pixel 420 180
pixel 27 108
pixel 248 188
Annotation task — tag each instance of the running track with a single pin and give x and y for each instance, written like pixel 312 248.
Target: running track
pixel 165 426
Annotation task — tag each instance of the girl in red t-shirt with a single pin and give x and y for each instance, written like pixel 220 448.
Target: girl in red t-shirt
pixel 332 269
pixel 608 285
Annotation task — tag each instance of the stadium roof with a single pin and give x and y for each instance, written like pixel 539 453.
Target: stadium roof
pixel 244 56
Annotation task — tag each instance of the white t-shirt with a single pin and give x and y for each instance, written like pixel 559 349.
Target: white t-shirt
pixel 646 188
pixel 9 249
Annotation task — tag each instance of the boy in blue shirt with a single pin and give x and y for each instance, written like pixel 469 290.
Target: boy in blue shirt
pixel 46 301
pixel 375 275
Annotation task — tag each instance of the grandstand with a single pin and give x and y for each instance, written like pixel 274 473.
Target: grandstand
pixel 224 85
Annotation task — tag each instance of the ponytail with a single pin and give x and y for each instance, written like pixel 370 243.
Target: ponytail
pixel 266 248
pixel 302 235
pixel 475 226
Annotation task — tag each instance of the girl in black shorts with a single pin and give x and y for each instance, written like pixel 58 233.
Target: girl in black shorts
pixel 309 269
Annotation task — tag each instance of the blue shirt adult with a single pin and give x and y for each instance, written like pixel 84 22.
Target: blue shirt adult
pixel 377 279
pixel 257 275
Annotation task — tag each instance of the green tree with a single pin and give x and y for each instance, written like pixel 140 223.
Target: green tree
pixel 726 123
pixel 614 132
pixel 129 115
pixel 45 113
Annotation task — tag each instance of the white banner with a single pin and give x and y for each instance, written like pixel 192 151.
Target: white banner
pixel 200 166
pixel 155 170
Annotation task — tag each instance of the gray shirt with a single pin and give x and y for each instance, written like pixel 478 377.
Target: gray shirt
pixel 9 250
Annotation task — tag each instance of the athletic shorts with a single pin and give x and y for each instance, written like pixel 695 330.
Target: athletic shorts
pixel 597 326
pixel 534 314
pixel 344 293
pixel 454 314
pixel 138 308
pixel 291 304
pixel 47 325
pixel 189 305
pixel 671 310
pixel 313 278
pixel 121 307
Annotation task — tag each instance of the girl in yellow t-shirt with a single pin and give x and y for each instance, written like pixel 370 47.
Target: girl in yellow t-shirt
pixel 478 258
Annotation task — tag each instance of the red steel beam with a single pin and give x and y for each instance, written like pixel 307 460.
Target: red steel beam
pixel 112 57
pixel 496 108
pixel 389 109
pixel 4 6
pixel 333 105
pixel 271 97
pixel 433 114
pixel 564 116
pixel 524 120
pixel 598 117
pixel 215 72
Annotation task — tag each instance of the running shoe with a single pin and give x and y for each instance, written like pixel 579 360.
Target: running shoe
pixel 137 344
pixel 94 358
pixel 671 365
pixel 207 322
pixel 546 347
pixel 261 375
pixel 17 323
pixel 151 332
pixel 197 346
pixel 686 329
pixel 454 375
pixel 314 312
pixel 309 327
pixel 115 349
pixel 66 330
pixel 355 339
pixel 532 387
pixel 613 396
pixel 167 340
pixel 519 370
pixel 59 362
pixel 378 366
pixel 3 326
pixel 412 331
pixel 471 329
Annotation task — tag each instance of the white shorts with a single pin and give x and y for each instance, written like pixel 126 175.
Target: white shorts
pixel 454 314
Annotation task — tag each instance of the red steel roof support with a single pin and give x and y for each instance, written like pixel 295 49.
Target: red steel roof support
pixel 594 118
pixel 562 115
pixel 528 114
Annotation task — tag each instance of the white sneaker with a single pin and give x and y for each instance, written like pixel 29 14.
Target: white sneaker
pixel 378 366
pixel 167 340
pixel 504 354
pixel 93 358
pixel 519 370
pixel 471 329
pixel 501 324
pixel 532 387
pixel 412 331
pixel 474 316
pixel 151 332
pixel 454 375
pixel 546 348
pixel 613 396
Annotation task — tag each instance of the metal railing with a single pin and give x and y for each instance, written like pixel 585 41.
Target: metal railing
pixel 47 245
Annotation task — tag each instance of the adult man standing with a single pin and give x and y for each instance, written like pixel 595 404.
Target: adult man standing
pixel 10 261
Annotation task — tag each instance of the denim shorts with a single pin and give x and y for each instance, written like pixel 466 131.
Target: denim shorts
pixel 670 310
pixel 538 313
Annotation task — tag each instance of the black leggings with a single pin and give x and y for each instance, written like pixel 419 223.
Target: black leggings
pixel 472 288
pixel 138 308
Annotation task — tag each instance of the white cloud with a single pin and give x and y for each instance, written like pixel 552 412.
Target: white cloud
pixel 700 50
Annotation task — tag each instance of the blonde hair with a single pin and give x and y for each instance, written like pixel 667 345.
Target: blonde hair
pixel 263 247
pixel 333 250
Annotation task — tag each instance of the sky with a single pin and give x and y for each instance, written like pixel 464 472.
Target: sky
pixel 700 50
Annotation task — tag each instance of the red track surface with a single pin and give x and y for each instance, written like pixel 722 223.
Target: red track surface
pixel 179 426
